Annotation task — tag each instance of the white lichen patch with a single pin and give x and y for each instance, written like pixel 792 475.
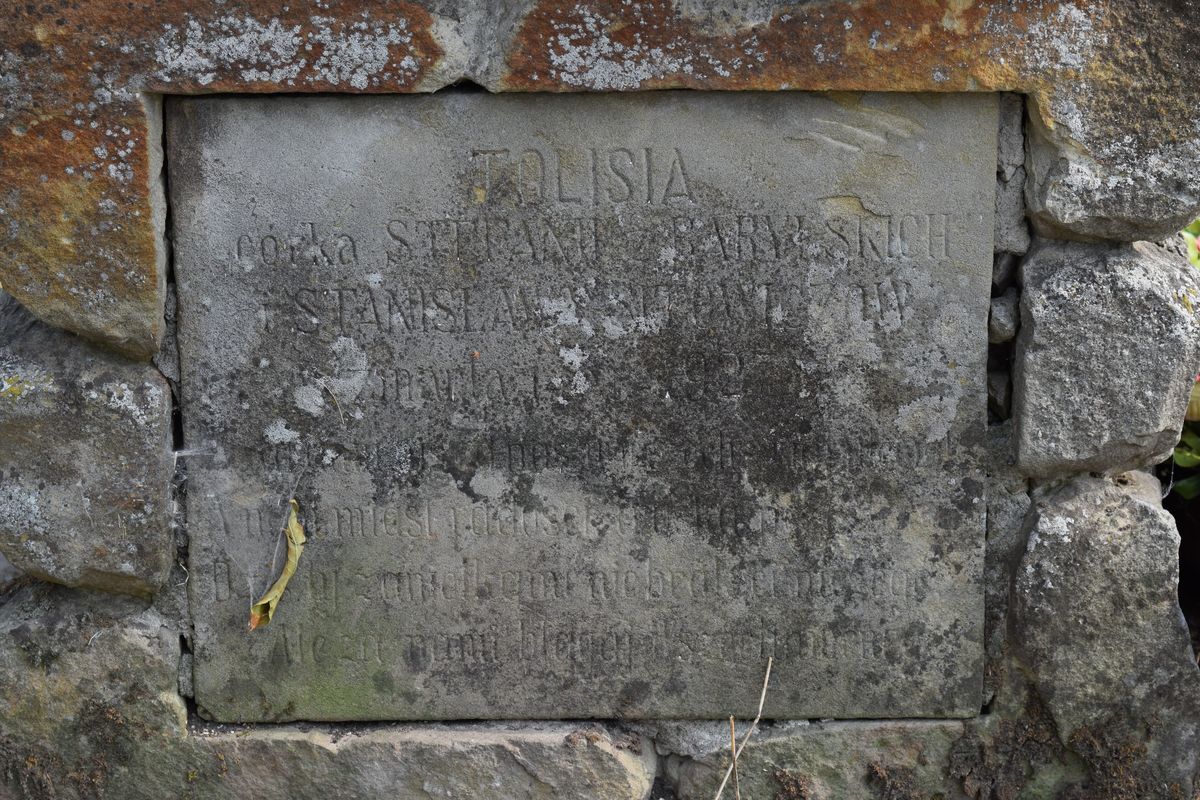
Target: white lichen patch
pixel 360 53
pixel 1069 39
pixel 20 384
pixel 279 433
pixel 586 55
pixel 563 311
pixel 262 51
pixel 573 357
pixel 309 399
pixel 1051 529
pixel 929 417
pixel 350 370
pixel 20 510
pixel 613 327
pixel 142 404
pixel 490 483
pixel 326 51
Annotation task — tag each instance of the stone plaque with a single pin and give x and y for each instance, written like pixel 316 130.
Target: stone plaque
pixel 591 404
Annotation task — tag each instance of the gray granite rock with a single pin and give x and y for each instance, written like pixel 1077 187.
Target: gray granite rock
pixel 1004 318
pixel 831 761
pixel 85 460
pixel 1097 629
pixel 1108 349
pixel 568 393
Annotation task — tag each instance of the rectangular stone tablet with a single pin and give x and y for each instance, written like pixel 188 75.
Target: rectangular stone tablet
pixel 591 404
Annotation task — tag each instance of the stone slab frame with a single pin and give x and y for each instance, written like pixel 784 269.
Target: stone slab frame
pixel 81 197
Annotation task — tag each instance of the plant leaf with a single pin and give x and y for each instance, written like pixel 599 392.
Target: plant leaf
pixel 262 611
pixel 1190 438
pixel 1193 248
pixel 1186 457
pixel 1192 414
pixel 1188 488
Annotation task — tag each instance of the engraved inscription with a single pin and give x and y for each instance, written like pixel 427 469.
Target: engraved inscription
pixel 590 404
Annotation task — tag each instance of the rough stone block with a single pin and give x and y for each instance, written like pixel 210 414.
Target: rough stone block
pixel 829 761
pixel 1097 627
pixel 480 762
pixel 1106 356
pixel 8 574
pixel 87 687
pixel 1010 152
pixel 85 460
pixel 1012 230
pixel 1008 503
pixel 1141 193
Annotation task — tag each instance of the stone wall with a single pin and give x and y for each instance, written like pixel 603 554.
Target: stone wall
pixel 1091 686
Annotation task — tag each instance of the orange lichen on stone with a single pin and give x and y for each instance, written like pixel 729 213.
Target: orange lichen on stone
pixel 81 206
pixel 865 45
pixel 78 229
pixel 80 202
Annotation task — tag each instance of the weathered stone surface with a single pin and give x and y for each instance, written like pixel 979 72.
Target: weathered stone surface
pixel 1004 270
pixel 496 762
pixel 1004 317
pixel 1075 411
pixel 1010 153
pixel 87 684
pixel 586 427
pixel 1097 627
pixel 470 761
pixel 1014 751
pixel 999 386
pixel 8 574
pixel 1012 229
pixel 1122 168
pixel 1070 196
pixel 1109 82
pixel 1008 503
pixel 1175 245
pixel 686 738
pixel 831 761
pixel 1012 234
pixel 83 244
pixel 85 460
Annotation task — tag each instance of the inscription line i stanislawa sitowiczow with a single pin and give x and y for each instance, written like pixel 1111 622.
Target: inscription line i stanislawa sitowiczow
pixel 591 403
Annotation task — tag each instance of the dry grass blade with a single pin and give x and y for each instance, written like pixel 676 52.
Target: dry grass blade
pixel 762 699
pixel 737 784
pixel 336 404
